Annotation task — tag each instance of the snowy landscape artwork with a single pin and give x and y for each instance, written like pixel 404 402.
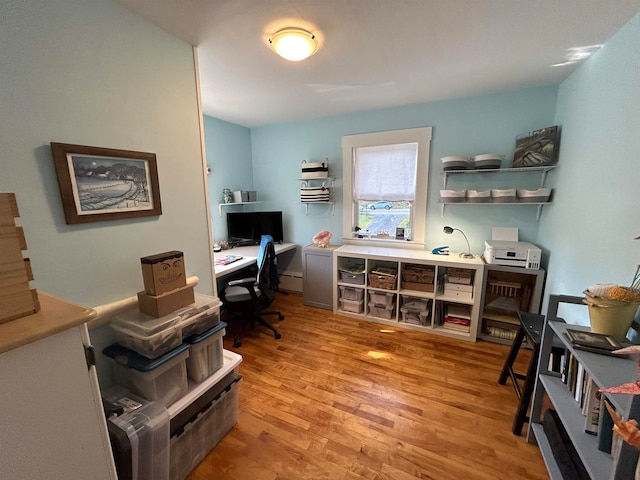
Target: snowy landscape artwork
pixel 98 184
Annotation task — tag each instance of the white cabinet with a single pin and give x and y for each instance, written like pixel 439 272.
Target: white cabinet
pixel 53 425
pixel 355 295
pixel 542 171
pixel 317 288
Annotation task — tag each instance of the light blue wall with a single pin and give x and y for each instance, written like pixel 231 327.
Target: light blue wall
pixel 468 126
pixel 591 227
pixel 228 149
pixel 90 72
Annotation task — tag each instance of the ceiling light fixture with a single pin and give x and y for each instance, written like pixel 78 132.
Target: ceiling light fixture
pixel 293 44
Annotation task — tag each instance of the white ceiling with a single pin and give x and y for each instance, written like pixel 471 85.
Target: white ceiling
pixel 377 53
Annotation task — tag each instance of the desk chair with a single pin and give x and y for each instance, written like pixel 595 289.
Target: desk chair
pixel 245 300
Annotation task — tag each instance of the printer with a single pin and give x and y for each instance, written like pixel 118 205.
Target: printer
pixel 512 254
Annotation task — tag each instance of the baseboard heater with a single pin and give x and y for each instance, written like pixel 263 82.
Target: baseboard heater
pixel 291 281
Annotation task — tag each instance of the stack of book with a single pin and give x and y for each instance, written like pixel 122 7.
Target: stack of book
pixel 457 317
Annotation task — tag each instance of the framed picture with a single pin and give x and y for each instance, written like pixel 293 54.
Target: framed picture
pixel 99 184
pixel 537 148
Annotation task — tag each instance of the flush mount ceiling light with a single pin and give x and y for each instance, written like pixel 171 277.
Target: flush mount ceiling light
pixel 293 44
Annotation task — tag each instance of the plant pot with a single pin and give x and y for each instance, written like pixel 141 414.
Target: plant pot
pixel 613 320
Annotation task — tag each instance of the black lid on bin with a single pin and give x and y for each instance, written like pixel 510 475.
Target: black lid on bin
pixel 131 359
pixel 197 338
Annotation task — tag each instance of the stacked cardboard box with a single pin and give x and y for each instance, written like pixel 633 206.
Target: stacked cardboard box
pixel 165 284
pixel 17 298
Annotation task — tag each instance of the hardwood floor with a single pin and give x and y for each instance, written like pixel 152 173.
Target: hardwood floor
pixel 341 399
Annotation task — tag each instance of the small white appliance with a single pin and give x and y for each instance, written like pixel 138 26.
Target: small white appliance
pixel 513 254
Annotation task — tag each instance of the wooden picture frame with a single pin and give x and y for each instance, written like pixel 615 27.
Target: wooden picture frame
pixel 99 184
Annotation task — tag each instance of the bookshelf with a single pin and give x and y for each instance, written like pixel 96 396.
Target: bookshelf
pixel 605 371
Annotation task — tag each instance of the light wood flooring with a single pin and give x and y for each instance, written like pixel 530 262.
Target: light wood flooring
pixel 342 399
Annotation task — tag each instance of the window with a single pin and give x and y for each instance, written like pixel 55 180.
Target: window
pixel 385 184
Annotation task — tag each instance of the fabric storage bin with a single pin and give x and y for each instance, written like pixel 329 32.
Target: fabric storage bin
pixel 191 444
pixel 503 196
pixel 162 380
pixel 382 298
pixel 354 306
pixel 534 196
pixel 315 169
pixel 414 316
pixel 381 311
pixel 351 293
pixel 486 160
pixel 314 194
pixel 452 196
pixel 454 162
pixel 478 196
pixel 205 353
pixel 383 277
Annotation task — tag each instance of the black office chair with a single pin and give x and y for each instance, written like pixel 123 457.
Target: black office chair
pixel 245 300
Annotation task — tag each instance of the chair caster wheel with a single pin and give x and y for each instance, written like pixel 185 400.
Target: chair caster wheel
pixel 277 336
pixel 237 343
pixel 280 317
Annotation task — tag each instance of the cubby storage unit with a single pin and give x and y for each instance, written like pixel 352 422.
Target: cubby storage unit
pixel 604 371
pixel 507 290
pixel 406 288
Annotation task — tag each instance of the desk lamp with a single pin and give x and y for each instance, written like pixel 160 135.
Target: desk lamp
pixel 450 230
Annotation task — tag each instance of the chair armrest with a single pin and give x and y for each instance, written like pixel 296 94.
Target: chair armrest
pixel 242 282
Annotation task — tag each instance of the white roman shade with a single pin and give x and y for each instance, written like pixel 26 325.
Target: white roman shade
pixel 386 172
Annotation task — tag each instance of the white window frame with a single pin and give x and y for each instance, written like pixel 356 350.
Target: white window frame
pixel 421 136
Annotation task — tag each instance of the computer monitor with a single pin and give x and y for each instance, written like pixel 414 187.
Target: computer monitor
pixel 246 228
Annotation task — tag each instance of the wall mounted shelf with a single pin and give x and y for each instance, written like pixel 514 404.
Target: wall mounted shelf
pixel 493 171
pixel 220 205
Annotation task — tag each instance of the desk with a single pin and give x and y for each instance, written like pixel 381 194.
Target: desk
pixel 249 256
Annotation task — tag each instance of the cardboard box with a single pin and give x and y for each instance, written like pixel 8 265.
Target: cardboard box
pixel 161 305
pixel 163 272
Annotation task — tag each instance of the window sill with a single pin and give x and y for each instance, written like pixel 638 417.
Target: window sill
pixel 384 242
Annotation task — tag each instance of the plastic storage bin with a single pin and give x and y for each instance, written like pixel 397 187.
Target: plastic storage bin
pixel 351 293
pixel 381 311
pixel 382 298
pixel 163 380
pixel 205 354
pixel 151 346
pixel 414 316
pixel 354 306
pixel 152 337
pixel 416 303
pixel 191 444
pixel 139 436
pixel 351 277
